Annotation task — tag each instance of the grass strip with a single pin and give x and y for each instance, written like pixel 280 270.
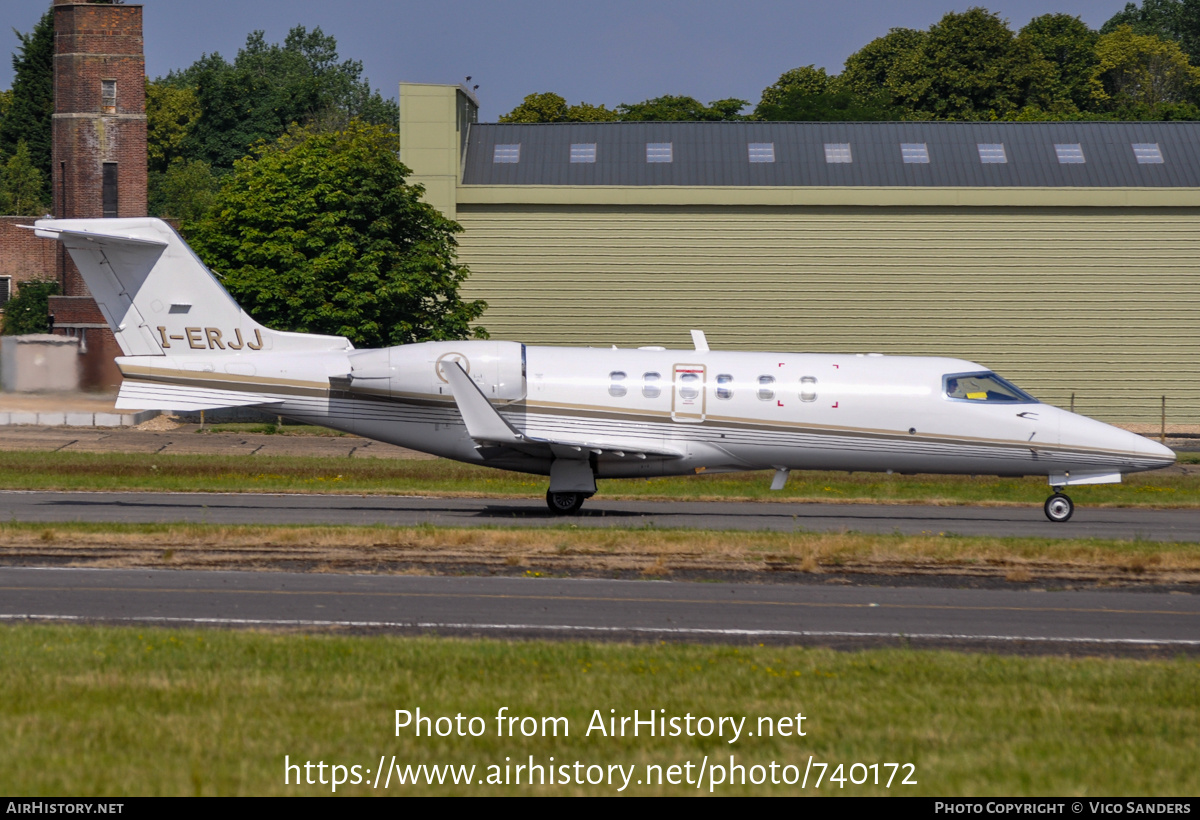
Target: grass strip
pixel 139 711
pixel 24 470
pixel 569 550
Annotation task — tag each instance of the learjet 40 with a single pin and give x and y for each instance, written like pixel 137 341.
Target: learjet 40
pixel 578 414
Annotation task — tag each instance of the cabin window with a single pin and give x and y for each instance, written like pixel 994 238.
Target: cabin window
pixel 689 387
pixel 766 389
pixel 808 389
pixel 983 387
pixel 724 391
pixel 616 384
pixel 650 385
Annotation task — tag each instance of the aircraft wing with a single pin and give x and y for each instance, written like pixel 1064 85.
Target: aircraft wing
pixel 487 426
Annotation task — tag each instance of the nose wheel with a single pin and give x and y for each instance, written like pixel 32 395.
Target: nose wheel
pixel 1059 507
pixel 564 503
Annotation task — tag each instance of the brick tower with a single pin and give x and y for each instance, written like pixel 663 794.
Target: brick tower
pixel 99 149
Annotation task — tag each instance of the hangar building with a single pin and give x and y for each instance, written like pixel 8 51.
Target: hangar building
pixel 1066 256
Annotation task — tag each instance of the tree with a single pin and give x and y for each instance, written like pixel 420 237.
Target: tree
pixel 880 64
pixel 550 107
pixel 31 110
pixel 808 94
pixel 28 311
pixel 1142 74
pixel 185 191
pixel 22 189
pixel 171 113
pixel 1069 46
pixel 1176 20
pixel 319 233
pixel 269 87
pixel 681 109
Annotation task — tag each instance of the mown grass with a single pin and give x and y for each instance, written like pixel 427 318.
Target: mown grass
pixel 571 550
pixel 208 473
pixel 135 711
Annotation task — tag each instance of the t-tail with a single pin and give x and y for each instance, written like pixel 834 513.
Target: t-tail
pixel 159 298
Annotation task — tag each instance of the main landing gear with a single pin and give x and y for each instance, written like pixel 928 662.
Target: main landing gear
pixel 1059 507
pixel 564 503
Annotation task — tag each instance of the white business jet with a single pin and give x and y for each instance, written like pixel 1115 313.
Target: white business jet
pixel 578 414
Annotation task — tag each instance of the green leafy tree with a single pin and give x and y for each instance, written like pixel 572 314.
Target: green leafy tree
pixel 171 112
pixel 30 112
pixel 29 311
pixel 971 66
pixel 318 232
pixel 1142 74
pixel 808 94
pixel 550 107
pixel 185 191
pixel 269 87
pixel 22 189
pixel 1176 20
pixel 882 65
pixel 681 109
pixel 1069 47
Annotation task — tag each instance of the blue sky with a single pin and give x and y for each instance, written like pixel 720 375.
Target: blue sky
pixel 602 51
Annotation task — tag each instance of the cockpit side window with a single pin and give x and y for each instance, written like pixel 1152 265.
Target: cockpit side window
pixel 984 387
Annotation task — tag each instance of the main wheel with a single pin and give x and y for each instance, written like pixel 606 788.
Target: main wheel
pixel 564 503
pixel 1059 508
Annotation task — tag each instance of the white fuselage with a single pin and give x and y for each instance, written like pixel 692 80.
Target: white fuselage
pixel 650 411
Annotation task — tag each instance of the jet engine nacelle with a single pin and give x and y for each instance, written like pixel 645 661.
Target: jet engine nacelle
pixel 497 368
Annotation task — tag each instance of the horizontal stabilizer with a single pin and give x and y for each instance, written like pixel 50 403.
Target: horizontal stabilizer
pixel 76 237
pixel 136 395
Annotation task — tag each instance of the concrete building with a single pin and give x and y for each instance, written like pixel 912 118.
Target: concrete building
pixel 1064 255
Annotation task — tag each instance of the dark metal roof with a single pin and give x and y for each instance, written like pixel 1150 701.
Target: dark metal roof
pixel 716 154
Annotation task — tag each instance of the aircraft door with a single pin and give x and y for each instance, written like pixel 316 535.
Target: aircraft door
pixel 689 393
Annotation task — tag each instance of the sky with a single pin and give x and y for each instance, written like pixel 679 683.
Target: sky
pixel 598 51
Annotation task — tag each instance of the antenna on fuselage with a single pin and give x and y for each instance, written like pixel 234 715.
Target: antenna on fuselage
pixel 700 341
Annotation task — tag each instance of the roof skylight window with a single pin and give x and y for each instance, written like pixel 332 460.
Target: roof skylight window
pixel 507 152
pixel 914 152
pixel 837 152
pixel 1147 153
pixel 762 151
pixel 992 152
pixel 583 152
pixel 1070 153
pixel 658 152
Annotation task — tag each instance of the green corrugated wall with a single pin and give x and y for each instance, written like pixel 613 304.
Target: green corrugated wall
pixel 1100 302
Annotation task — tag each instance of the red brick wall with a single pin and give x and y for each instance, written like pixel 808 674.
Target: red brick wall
pixel 22 255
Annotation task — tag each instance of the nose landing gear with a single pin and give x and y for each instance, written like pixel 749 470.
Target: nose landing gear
pixel 1059 507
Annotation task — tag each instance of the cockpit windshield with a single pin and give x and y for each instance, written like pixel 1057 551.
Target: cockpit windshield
pixel 984 387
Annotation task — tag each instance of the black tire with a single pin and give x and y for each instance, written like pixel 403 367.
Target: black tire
pixel 564 503
pixel 1059 508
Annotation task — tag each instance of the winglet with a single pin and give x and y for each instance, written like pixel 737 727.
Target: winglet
pixel 700 341
pixel 482 420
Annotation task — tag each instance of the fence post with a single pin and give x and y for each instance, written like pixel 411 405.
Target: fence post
pixel 1162 431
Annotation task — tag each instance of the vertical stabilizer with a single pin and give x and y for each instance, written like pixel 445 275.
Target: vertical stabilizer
pixel 159 298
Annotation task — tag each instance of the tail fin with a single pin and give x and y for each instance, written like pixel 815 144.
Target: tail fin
pixel 159 298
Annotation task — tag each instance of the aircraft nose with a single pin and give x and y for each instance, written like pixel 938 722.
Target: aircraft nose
pixel 1160 455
